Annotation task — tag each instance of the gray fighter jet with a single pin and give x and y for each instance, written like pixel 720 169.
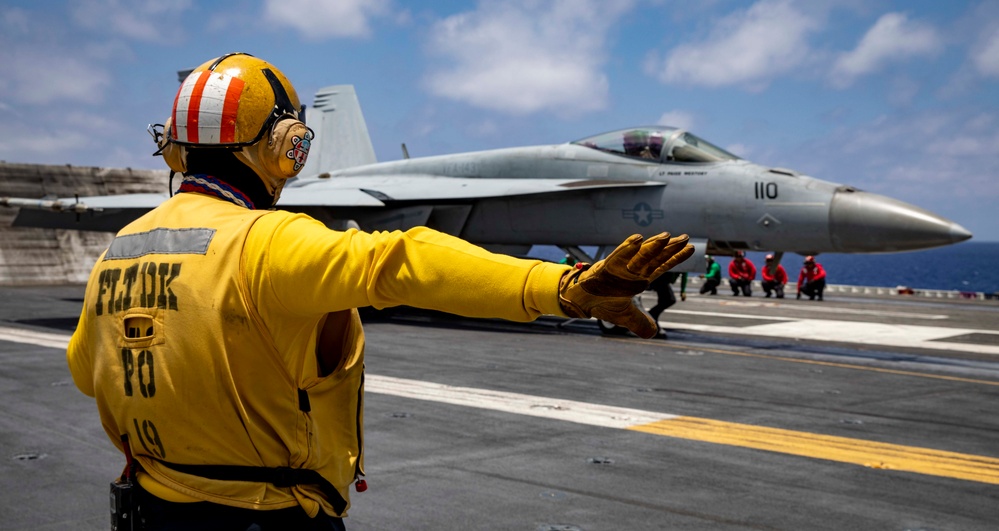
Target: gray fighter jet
pixel 590 192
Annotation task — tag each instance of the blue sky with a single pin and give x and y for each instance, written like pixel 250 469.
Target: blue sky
pixel 894 97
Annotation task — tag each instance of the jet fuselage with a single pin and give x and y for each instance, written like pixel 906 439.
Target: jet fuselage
pixel 732 203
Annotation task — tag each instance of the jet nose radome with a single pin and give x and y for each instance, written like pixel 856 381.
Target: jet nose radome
pixel 862 222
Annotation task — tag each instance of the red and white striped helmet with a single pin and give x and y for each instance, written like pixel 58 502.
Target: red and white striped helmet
pixel 231 101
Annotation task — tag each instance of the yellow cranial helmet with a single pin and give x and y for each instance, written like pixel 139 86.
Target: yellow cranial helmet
pixel 244 104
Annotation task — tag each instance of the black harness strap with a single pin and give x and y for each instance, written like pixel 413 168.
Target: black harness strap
pixel 278 476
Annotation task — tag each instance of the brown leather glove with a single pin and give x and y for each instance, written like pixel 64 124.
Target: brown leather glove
pixel 605 289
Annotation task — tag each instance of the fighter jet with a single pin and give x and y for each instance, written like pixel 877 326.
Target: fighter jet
pixel 595 191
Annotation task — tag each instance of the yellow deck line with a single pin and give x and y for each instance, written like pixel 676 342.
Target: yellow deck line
pixel 842 449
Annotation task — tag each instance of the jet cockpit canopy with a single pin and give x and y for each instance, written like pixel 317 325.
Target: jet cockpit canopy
pixel 659 143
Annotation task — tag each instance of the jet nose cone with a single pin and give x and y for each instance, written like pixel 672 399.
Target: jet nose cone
pixel 862 222
pixel 958 233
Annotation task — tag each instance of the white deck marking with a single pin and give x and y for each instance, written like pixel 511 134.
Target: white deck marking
pixel 734 315
pixel 827 309
pixel 871 454
pixel 535 406
pixel 889 335
pixel 42 339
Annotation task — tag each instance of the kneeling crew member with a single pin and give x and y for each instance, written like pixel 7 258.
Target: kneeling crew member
pixel 741 274
pixel 811 279
pixel 712 278
pixel 773 281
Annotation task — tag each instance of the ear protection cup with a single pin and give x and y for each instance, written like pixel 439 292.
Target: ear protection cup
pixel 287 148
pixel 175 155
pixel 281 155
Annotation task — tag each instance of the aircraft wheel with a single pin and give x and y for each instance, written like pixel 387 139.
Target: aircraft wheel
pixel 611 329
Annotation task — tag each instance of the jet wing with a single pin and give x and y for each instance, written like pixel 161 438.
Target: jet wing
pixel 107 213
pixel 350 191
pixel 326 196
pixel 95 203
pixel 378 202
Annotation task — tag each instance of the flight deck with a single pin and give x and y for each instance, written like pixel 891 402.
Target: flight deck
pixel 857 412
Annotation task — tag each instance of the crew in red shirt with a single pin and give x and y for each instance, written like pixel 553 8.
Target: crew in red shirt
pixel 741 274
pixel 811 279
pixel 773 282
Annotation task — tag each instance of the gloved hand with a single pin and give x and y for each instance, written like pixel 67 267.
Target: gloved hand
pixel 605 289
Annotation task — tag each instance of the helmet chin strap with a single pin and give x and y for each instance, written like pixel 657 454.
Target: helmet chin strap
pixel 249 157
pixel 277 192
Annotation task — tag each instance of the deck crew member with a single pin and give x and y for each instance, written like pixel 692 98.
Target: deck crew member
pixel 221 339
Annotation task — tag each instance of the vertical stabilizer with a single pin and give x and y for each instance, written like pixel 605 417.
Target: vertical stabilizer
pixel 342 139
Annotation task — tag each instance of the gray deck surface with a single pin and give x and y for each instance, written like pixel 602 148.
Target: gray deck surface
pixel 434 465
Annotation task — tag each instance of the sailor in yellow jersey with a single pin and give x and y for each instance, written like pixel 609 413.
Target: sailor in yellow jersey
pixel 221 339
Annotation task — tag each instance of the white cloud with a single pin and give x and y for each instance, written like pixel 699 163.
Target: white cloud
pixel 15 20
pixel 321 19
pixel 678 119
pixel 747 48
pixel 903 91
pixel 940 160
pixel 986 59
pixel 527 56
pixel 921 155
pixel 69 134
pixel 37 76
pixel 739 150
pixel 145 20
pixel 965 143
pixel 482 129
pixel 892 38
pixel 46 143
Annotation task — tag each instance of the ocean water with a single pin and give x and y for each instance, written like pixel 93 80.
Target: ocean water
pixel 968 266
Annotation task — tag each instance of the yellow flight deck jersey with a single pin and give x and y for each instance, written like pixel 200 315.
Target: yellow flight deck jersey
pixel 198 338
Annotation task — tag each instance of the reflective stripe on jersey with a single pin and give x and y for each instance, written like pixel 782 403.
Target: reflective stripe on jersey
pixel 205 109
pixel 160 241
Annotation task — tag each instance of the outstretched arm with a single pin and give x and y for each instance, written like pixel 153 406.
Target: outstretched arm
pixel 605 289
